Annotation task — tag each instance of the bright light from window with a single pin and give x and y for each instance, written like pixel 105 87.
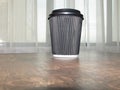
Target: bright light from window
pixel 41 20
pixel 1 41
pixel 92 21
pixel 59 4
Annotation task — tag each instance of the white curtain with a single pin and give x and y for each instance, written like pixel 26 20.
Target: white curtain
pixel 18 21
pixel 101 25
pixel 24 23
pixel 107 23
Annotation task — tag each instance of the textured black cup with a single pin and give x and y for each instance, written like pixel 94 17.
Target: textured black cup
pixel 65 30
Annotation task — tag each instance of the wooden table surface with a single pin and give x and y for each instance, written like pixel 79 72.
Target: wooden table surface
pixel 91 71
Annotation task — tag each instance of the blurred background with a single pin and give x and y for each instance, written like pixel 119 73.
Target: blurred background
pixel 24 26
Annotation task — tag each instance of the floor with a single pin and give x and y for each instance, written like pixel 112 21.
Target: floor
pixel 91 71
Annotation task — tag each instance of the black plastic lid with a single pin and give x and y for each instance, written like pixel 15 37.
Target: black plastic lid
pixel 66 11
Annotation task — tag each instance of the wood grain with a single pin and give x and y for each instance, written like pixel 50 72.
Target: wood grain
pixel 91 71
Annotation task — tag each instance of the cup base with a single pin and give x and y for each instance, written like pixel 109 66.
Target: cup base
pixel 65 57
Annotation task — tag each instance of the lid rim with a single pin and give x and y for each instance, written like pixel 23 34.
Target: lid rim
pixel 53 15
pixel 66 11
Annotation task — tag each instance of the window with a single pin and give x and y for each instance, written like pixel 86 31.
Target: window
pixel 41 20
